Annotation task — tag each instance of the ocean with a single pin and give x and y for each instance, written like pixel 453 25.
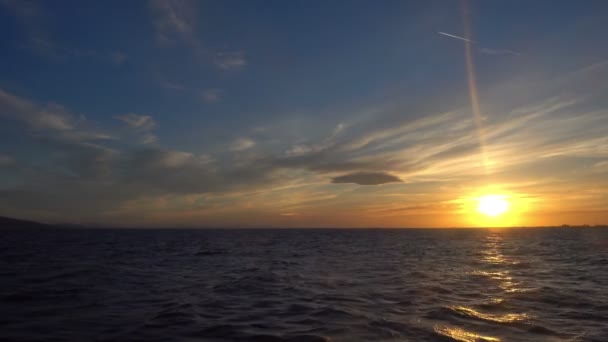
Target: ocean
pixel 541 284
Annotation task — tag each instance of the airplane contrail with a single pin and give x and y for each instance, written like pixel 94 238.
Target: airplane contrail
pixel 482 49
pixel 453 36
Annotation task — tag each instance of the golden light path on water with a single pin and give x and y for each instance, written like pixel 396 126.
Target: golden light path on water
pixel 463 335
pixel 499 270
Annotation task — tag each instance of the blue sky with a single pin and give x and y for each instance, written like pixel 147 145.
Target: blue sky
pixel 299 113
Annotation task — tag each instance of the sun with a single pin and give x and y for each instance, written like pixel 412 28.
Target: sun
pixel 495 206
pixel 492 205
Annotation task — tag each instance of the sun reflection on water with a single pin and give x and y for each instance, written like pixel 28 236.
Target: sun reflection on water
pixel 502 275
pixel 462 335
pixel 496 276
pixel 493 256
pixel 506 318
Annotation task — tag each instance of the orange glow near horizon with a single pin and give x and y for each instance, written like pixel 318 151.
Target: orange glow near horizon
pixel 493 207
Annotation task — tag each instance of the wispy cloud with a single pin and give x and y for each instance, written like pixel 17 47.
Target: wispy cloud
pixel 175 21
pixel 51 117
pixel 242 144
pixel 230 61
pixel 149 138
pixel 50 121
pixel 426 160
pixel 498 52
pixel 137 121
pixel 143 124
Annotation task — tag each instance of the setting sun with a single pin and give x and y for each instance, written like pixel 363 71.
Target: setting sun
pixel 492 205
pixel 495 206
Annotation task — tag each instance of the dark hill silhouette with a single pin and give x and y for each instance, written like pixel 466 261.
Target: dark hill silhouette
pixel 13 223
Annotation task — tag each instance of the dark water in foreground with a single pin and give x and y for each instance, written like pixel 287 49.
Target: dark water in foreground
pixel 305 285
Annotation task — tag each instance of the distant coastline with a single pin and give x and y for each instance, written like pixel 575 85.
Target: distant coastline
pixel 15 223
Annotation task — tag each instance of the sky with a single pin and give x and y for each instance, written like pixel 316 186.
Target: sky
pixel 303 113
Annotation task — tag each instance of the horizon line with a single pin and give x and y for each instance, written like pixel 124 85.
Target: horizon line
pixel 66 225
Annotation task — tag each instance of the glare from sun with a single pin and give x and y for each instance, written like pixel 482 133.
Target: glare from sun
pixel 492 205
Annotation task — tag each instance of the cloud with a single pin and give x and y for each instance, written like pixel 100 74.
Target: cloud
pixel 498 52
pixel 211 95
pixel 176 21
pixel 51 117
pixel 329 160
pixel 50 125
pixel 76 135
pixel 86 162
pixel 602 164
pixel 427 143
pixel 366 178
pixel 140 122
pixel 162 171
pixel 230 61
pixel 143 125
pixel 428 146
pixel 155 158
pixel 149 138
pixel 242 144
pixel 299 150
pixel 115 178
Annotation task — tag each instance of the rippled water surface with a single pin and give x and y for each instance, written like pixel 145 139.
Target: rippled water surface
pixel 304 285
